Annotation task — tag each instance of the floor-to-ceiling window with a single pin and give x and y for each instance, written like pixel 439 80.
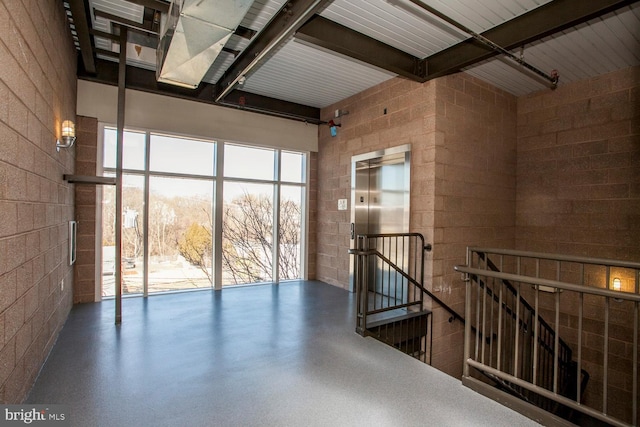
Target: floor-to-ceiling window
pixel 170 187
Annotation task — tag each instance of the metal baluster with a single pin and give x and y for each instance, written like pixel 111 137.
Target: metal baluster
pixel 484 310
pixel 634 409
pixel 500 301
pixel 491 322
pixel 517 335
pixel 517 304
pixel 580 314
pixel 467 324
pixel 535 336
pixel 605 364
pixel 556 343
pixel 383 296
pixel 478 320
pixel 364 267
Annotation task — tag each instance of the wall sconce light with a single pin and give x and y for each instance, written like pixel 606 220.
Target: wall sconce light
pixel 68 135
pixel 617 284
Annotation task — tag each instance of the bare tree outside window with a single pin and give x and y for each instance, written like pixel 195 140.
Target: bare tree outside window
pixel 248 241
pixel 173 202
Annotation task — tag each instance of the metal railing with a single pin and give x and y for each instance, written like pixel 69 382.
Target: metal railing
pixel 519 323
pixel 525 355
pixel 389 275
pixel 384 269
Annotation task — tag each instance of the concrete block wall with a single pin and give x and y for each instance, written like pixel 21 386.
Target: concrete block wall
pixel 37 92
pixel 85 204
pixel 462 133
pixel 578 173
pixel 312 230
pixel 578 193
pixel 474 204
pixel 391 114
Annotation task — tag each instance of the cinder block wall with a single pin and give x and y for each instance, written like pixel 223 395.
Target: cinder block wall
pixel 37 92
pixel 579 168
pixel 462 133
pixel 475 193
pixel 85 202
pixel 579 193
pixel 393 113
pixel 312 209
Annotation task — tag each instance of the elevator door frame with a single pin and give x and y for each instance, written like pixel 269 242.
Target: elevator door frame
pixel 402 152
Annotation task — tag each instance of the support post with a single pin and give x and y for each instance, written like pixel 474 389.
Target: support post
pixel 122 68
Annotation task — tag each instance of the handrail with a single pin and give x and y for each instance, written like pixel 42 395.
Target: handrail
pixel 406 276
pixel 523 301
pixel 551 283
pixel 392 301
pixel 484 278
pixel 558 257
pixel 546 393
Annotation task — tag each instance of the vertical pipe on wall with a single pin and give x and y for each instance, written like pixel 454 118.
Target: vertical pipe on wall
pixel 122 68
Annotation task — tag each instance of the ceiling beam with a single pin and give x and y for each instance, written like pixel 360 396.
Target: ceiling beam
pixel 159 5
pixel 145 81
pixel 146 27
pixel 550 18
pixel 244 32
pixel 330 35
pixel 105 35
pixel 81 21
pixel 289 18
pixel 263 104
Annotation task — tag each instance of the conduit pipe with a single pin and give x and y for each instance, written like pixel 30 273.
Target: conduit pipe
pixel 551 78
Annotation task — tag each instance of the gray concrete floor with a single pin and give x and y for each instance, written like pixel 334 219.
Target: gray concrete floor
pixel 267 355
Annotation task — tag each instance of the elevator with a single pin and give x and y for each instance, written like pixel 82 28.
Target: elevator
pixel 379 195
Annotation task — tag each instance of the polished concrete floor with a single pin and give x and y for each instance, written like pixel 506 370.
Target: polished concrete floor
pixel 282 355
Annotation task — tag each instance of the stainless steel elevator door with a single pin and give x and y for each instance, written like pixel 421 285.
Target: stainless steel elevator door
pixel 380 195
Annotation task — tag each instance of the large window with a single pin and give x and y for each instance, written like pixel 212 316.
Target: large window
pixel 171 221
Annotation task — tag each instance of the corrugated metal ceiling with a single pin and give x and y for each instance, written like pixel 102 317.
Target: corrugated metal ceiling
pixel 311 76
pixel 606 44
pixel 401 24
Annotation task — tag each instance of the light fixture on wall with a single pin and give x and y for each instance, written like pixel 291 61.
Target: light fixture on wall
pixel 617 284
pixel 68 135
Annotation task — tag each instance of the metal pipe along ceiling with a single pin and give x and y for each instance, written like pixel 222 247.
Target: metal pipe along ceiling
pixel 191 37
pixel 551 78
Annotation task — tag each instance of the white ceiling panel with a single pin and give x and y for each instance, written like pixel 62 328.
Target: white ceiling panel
pixel 405 26
pixel 121 8
pixel 307 75
pixel 257 17
pixel 600 46
pixel 311 76
pixel 260 13
pixel 219 66
pixel 393 24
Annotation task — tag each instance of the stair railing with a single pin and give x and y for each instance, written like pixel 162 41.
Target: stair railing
pixel 389 276
pixel 563 288
pixel 523 320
